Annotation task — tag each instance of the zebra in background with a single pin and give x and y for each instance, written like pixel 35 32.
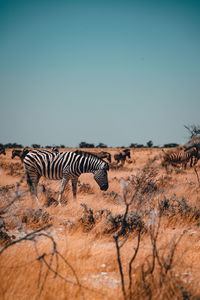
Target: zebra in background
pixel 181 157
pixel 2 150
pixel 20 153
pixel 195 150
pixel 65 166
pixel 55 150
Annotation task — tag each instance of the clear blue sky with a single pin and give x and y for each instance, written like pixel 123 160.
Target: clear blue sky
pixel 117 72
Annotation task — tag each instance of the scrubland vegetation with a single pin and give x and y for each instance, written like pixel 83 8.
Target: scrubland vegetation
pixel 138 240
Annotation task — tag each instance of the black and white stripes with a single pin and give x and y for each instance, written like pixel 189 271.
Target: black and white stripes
pixel 65 166
pixel 182 157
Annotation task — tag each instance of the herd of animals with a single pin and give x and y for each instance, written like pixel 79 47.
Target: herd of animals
pixel 66 166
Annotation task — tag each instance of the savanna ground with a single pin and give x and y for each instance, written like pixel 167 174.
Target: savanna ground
pixel 138 240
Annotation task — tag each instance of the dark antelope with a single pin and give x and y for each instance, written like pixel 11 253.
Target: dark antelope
pixel 2 150
pixel 121 157
pixel 20 153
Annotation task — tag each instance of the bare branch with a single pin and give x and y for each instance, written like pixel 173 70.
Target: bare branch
pixel 29 236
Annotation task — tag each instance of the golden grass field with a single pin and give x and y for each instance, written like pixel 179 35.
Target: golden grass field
pixel 69 252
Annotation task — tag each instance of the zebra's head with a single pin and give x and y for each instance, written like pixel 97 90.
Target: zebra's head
pixel 101 176
pixel 97 166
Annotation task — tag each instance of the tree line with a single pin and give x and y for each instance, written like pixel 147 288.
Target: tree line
pixel 149 144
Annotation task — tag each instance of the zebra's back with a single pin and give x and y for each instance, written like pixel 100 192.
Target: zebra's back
pixel 46 163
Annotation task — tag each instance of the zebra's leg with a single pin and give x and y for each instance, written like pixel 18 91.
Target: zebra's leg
pixel 191 161
pixel 33 182
pixel 63 185
pixel 74 186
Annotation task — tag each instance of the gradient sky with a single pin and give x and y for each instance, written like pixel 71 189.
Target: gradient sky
pixel 116 72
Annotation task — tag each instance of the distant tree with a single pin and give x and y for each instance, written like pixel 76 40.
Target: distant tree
pixel 156 146
pixel 140 146
pixel 86 145
pixel 62 146
pixel 194 130
pixel 149 144
pixel 13 145
pixel 133 145
pixel 101 145
pixel 170 145
pixel 35 146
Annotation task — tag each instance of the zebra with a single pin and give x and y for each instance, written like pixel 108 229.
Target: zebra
pixel 122 156
pixel 20 153
pixel 194 152
pixel 181 157
pixel 65 166
pixel 2 150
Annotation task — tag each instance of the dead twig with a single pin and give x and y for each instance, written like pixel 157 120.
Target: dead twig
pixel 195 170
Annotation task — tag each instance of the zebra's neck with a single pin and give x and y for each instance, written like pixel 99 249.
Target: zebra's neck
pixel 89 164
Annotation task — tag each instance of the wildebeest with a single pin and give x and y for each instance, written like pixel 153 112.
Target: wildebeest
pixel 2 150
pixel 104 154
pixel 20 153
pixel 121 156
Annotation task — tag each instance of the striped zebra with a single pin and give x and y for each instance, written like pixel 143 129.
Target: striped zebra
pixel 194 153
pixel 182 157
pixel 65 166
pixel 55 150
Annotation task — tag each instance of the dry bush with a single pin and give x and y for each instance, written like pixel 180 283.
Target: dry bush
pixel 155 277
pixel 6 188
pixel 112 197
pixel 14 169
pixel 179 210
pixel 38 217
pixel 85 188
pixel 132 223
pixel 109 223
pixel 50 201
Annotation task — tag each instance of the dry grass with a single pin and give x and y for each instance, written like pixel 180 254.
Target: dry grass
pixel 69 252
